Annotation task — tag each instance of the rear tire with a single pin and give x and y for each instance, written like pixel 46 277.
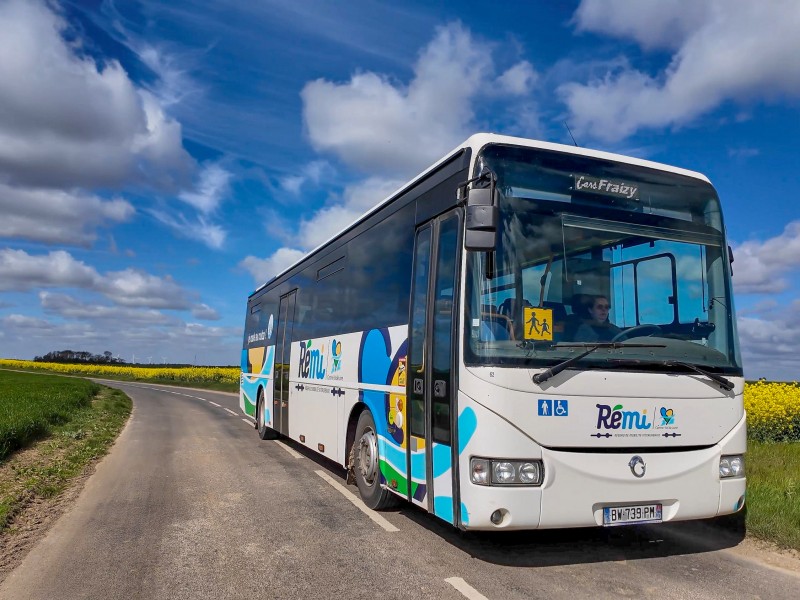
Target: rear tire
pixel 366 465
pixel 264 432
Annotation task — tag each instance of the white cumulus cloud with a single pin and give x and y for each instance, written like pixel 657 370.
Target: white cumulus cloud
pixel 205 312
pixel 20 271
pixel 377 124
pixel 518 80
pixel 769 342
pixel 68 121
pixel 356 200
pixel 721 53
pixel 651 23
pixel 70 307
pixel 56 216
pixel 133 287
pixel 264 269
pixel 761 267
pixel 212 185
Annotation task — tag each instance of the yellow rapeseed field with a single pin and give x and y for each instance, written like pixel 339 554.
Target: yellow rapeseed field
pixel 177 374
pixel 773 411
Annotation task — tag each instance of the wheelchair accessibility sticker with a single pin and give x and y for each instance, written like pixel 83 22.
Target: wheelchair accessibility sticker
pixel 553 408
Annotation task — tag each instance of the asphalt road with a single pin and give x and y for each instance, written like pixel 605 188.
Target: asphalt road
pixel 191 504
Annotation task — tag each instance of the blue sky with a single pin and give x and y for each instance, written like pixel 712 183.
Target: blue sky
pixel 158 161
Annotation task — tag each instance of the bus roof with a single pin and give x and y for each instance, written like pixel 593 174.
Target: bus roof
pixel 476 142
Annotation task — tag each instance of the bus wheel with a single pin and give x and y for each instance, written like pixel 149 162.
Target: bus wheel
pixel 264 432
pixel 366 465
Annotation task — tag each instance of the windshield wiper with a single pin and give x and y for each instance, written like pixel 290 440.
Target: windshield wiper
pixel 552 371
pixel 723 382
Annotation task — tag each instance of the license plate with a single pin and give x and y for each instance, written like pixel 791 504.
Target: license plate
pixel 629 515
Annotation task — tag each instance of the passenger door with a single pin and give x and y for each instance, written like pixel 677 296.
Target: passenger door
pixel 432 374
pixel 283 349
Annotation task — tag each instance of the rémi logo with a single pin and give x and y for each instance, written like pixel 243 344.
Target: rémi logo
pixel 617 418
pixel 312 361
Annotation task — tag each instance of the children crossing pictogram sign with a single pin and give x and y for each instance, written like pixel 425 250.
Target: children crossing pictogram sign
pixel 538 323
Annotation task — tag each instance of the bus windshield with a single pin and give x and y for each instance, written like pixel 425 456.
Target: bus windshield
pixel 592 251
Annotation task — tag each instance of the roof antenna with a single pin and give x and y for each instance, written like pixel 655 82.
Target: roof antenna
pixel 570 134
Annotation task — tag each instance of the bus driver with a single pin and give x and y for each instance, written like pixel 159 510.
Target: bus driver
pixel 597 327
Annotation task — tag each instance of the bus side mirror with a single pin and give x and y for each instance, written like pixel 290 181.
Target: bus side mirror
pixel 481 220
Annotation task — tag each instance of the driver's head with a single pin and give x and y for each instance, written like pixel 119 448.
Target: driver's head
pixel 599 309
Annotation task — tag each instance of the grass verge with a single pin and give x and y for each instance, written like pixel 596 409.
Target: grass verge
pixel 44 469
pixel 773 492
pixel 30 405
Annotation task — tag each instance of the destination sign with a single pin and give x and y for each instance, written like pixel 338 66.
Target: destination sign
pixel 584 183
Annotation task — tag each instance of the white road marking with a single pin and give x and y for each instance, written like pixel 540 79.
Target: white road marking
pixel 147 387
pixel 357 502
pixel 466 589
pixel 291 451
pixel 151 386
pixel 248 421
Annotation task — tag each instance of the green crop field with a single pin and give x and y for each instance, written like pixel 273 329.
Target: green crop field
pixel 773 492
pixel 31 404
pixel 52 429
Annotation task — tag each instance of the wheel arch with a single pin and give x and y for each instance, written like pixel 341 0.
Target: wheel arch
pixel 350 431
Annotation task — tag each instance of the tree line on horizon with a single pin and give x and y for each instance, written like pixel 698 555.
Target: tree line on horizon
pixel 72 356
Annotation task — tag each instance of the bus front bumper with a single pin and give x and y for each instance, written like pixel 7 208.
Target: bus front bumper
pixel 579 485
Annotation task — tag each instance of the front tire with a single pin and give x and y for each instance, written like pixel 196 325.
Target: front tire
pixel 366 465
pixel 264 432
pixel 734 524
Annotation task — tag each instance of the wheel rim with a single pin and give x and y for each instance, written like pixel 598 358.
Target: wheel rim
pixel 260 409
pixel 368 456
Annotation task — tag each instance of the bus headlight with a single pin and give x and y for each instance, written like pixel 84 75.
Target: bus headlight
pixel 731 466
pixel 485 471
pixel 530 473
pixel 503 472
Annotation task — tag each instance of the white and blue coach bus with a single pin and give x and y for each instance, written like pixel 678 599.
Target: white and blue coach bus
pixel 526 335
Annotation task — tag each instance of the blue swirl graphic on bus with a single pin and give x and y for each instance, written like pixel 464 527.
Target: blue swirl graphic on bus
pixel 381 364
